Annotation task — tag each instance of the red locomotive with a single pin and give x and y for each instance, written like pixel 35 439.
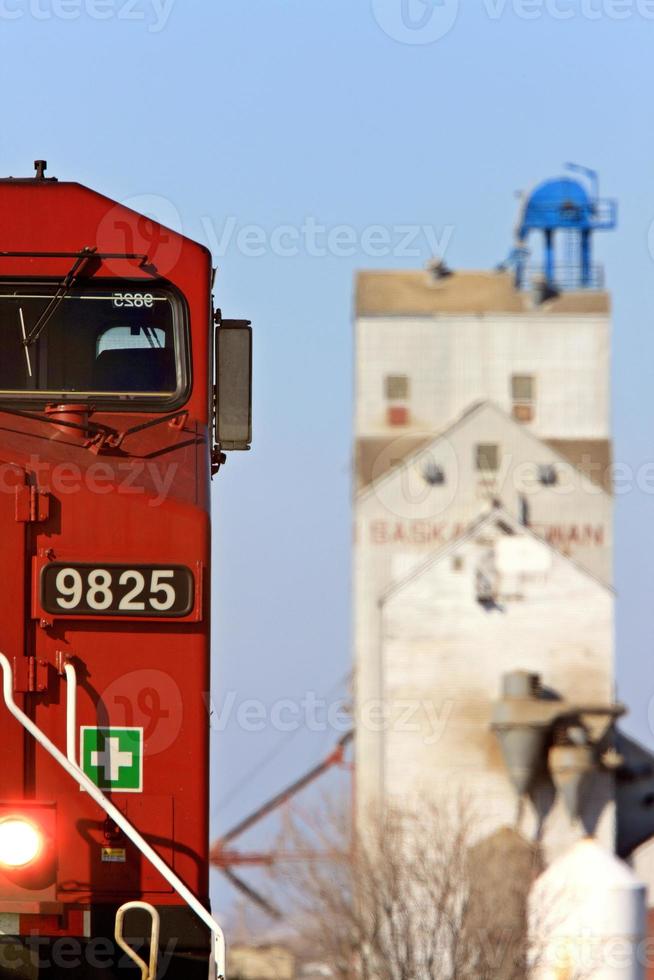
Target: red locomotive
pixel 120 391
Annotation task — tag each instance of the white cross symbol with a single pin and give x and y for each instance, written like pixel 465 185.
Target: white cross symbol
pixel 112 760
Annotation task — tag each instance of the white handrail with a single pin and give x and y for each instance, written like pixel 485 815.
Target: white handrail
pixel 71 713
pixel 148 970
pixel 218 950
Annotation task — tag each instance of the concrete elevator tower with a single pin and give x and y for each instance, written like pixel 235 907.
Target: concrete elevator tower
pixel 483 523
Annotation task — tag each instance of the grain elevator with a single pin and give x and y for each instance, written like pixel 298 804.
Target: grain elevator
pixel 483 600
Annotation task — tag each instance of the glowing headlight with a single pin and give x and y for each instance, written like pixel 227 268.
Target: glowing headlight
pixel 20 842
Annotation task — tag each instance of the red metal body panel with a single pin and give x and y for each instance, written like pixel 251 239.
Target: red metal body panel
pixel 146 502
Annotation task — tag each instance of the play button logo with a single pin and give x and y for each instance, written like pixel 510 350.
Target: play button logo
pixel 416 21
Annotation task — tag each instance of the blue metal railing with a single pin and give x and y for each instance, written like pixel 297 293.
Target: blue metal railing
pixel 567 278
pixel 593 216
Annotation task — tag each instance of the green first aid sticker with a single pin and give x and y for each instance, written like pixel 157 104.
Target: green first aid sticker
pixel 112 758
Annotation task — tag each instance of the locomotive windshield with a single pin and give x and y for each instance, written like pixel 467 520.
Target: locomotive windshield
pixel 116 342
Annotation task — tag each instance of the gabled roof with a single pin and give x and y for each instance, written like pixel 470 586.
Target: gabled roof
pixel 501 518
pixel 476 408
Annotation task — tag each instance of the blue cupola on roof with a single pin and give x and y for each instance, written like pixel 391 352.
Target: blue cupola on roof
pixel 566 208
pixel 562 203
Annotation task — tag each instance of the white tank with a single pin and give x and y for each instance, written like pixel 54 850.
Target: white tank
pixel 587 918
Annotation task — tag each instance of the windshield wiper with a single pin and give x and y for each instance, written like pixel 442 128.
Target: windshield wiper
pixel 24 336
pixel 63 289
pixel 175 420
pixel 151 336
pixel 101 437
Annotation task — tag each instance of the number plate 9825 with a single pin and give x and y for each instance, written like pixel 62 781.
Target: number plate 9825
pixel 117 590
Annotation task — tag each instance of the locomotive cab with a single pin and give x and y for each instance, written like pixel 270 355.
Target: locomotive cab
pixel 120 393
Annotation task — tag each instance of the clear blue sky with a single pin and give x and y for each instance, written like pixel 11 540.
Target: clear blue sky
pixel 279 112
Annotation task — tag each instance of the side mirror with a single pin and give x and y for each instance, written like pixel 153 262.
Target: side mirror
pixel 233 419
